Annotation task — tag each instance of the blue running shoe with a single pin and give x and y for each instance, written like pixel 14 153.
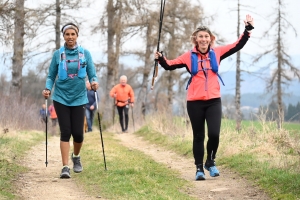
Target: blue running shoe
pixel 200 176
pixel 213 171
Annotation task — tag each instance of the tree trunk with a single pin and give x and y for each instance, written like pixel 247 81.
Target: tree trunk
pixel 280 72
pixel 142 96
pixel 118 32
pixel 18 46
pixel 111 59
pixel 238 80
pixel 171 74
pixel 57 25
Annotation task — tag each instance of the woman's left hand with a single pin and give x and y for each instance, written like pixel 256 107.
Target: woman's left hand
pixel 249 20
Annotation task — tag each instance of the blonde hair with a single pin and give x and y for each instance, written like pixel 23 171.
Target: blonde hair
pixel 202 28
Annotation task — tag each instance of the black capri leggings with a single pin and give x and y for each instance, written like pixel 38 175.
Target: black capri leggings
pixel 211 112
pixel 70 120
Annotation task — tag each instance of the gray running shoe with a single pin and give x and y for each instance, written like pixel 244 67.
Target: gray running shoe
pixel 65 173
pixel 77 167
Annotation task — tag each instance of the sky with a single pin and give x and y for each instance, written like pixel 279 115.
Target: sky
pixel 263 12
pixel 225 23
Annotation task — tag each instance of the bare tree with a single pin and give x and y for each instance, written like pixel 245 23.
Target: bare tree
pixel 284 67
pixel 6 14
pixel 18 48
pixel 118 24
pixel 123 19
pixel 51 17
pixel 4 85
pixel 238 113
pixel 148 20
pixel 57 24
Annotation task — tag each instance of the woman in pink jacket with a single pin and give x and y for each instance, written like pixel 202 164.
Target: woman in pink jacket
pixel 203 95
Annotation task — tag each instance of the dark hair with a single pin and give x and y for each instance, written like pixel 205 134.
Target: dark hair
pixel 72 24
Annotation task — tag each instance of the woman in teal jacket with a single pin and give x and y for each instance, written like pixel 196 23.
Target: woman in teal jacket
pixel 68 69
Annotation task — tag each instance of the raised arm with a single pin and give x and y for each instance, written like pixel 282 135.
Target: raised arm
pixel 230 49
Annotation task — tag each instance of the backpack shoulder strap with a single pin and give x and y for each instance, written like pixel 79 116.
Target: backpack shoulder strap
pixel 214 63
pixel 194 67
pixel 194 63
pixel 62 53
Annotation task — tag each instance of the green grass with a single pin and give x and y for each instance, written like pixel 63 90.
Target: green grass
pixel 130 174
pixel 12 147
pixel 293 128
pixel 279 183
pixel 134 175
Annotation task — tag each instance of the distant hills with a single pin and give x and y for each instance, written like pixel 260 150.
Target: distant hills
pixel 253 85
pixel 253 89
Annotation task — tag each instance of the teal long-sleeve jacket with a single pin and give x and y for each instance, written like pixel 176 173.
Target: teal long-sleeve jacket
pixel 71 91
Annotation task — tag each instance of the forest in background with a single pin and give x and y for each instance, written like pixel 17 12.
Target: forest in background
pixel 32 30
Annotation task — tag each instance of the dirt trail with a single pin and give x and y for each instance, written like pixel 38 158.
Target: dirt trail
pixel 228 186
pixel 42 182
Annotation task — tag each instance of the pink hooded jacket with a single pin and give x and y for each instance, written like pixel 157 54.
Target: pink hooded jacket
pixel 197 89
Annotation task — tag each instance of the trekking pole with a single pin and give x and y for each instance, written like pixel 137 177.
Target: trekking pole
pixel 132 118
pixel 155 69
pixel 46 111
pixel 100 129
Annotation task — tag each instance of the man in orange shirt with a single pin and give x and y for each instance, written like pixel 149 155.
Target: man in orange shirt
pixel 124 96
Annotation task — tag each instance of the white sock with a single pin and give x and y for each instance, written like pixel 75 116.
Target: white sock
pixel 74 156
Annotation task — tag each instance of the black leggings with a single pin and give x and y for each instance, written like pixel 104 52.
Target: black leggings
pixel 70 120
pixel 120 111
pixel 199 112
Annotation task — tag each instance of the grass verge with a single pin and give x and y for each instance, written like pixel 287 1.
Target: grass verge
pixel 13 145
pixel 259 153
pixel 130 174
pixel 281 184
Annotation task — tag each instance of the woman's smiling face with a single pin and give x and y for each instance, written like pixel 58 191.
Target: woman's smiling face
pixel 70 37
pixel 203 40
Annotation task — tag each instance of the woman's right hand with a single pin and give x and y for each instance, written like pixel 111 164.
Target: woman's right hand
pixel 157 55
pixel 46 93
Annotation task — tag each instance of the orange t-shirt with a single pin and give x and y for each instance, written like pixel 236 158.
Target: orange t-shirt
pixel 124 93
pixel 52 112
